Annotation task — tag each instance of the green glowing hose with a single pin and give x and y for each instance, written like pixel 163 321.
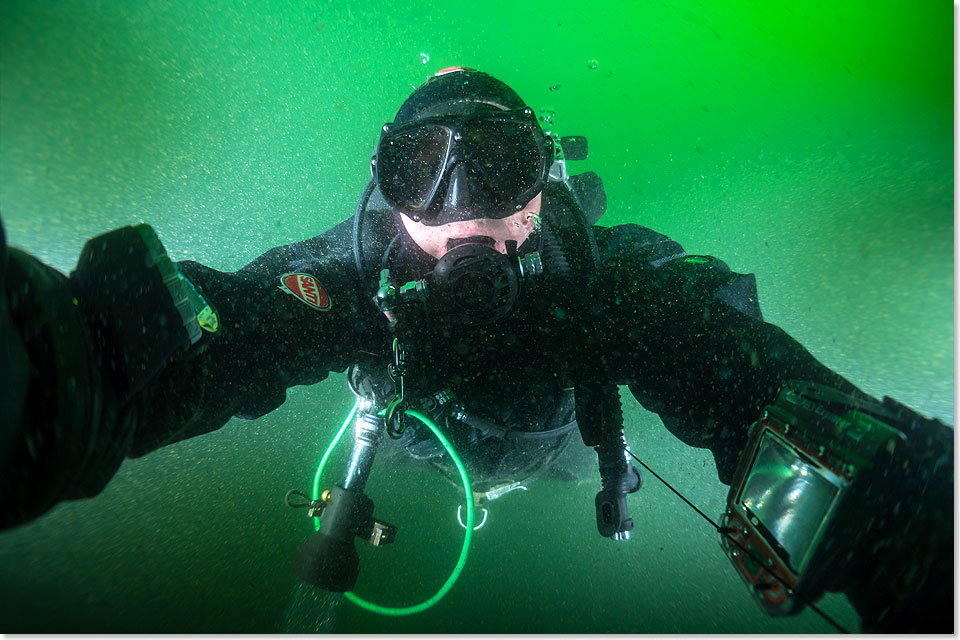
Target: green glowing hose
pixel 468 491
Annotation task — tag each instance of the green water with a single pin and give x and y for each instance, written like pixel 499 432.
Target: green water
pixel 810 143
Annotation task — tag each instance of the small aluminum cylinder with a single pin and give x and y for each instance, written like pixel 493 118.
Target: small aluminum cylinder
pixel 368 430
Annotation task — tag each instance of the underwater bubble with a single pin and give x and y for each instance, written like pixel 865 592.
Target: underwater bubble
pixel 424 58
pixel 592 64
pixel 547 115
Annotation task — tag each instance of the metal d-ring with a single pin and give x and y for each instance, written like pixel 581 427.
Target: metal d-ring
pixel 460 518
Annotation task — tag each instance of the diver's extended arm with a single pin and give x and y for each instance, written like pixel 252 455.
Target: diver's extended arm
pixel 112 361
pixel 77 354
pixel 287 318
pixel 686 333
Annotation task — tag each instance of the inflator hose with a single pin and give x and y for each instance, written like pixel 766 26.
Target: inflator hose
pixel 468 491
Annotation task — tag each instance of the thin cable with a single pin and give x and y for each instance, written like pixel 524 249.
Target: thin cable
pixel 722 532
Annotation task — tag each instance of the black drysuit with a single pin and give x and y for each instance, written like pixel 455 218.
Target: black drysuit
pixel 684 332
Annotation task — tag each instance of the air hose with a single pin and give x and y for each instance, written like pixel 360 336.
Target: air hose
pixel 426 604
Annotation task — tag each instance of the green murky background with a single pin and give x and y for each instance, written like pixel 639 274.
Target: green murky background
pixel 809 143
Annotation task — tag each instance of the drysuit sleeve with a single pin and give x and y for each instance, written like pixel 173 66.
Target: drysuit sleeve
pixel 287 318
pixel 93 372
pixel 687 335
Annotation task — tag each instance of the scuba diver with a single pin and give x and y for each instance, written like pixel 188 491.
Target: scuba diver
pixel 474 285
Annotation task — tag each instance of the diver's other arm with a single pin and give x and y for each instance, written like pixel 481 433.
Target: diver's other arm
pixel 841 493
pixel 687 335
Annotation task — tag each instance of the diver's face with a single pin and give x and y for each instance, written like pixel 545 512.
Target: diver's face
pixel 516 227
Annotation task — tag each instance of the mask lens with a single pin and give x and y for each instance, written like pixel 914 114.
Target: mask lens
pixel 511 155
pixel 410 164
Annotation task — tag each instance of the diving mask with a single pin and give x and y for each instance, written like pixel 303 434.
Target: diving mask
pixel 445 168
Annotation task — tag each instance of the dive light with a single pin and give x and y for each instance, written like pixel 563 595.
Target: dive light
pixel 328 558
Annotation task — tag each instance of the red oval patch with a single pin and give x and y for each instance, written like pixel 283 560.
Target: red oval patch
pixel 306 287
